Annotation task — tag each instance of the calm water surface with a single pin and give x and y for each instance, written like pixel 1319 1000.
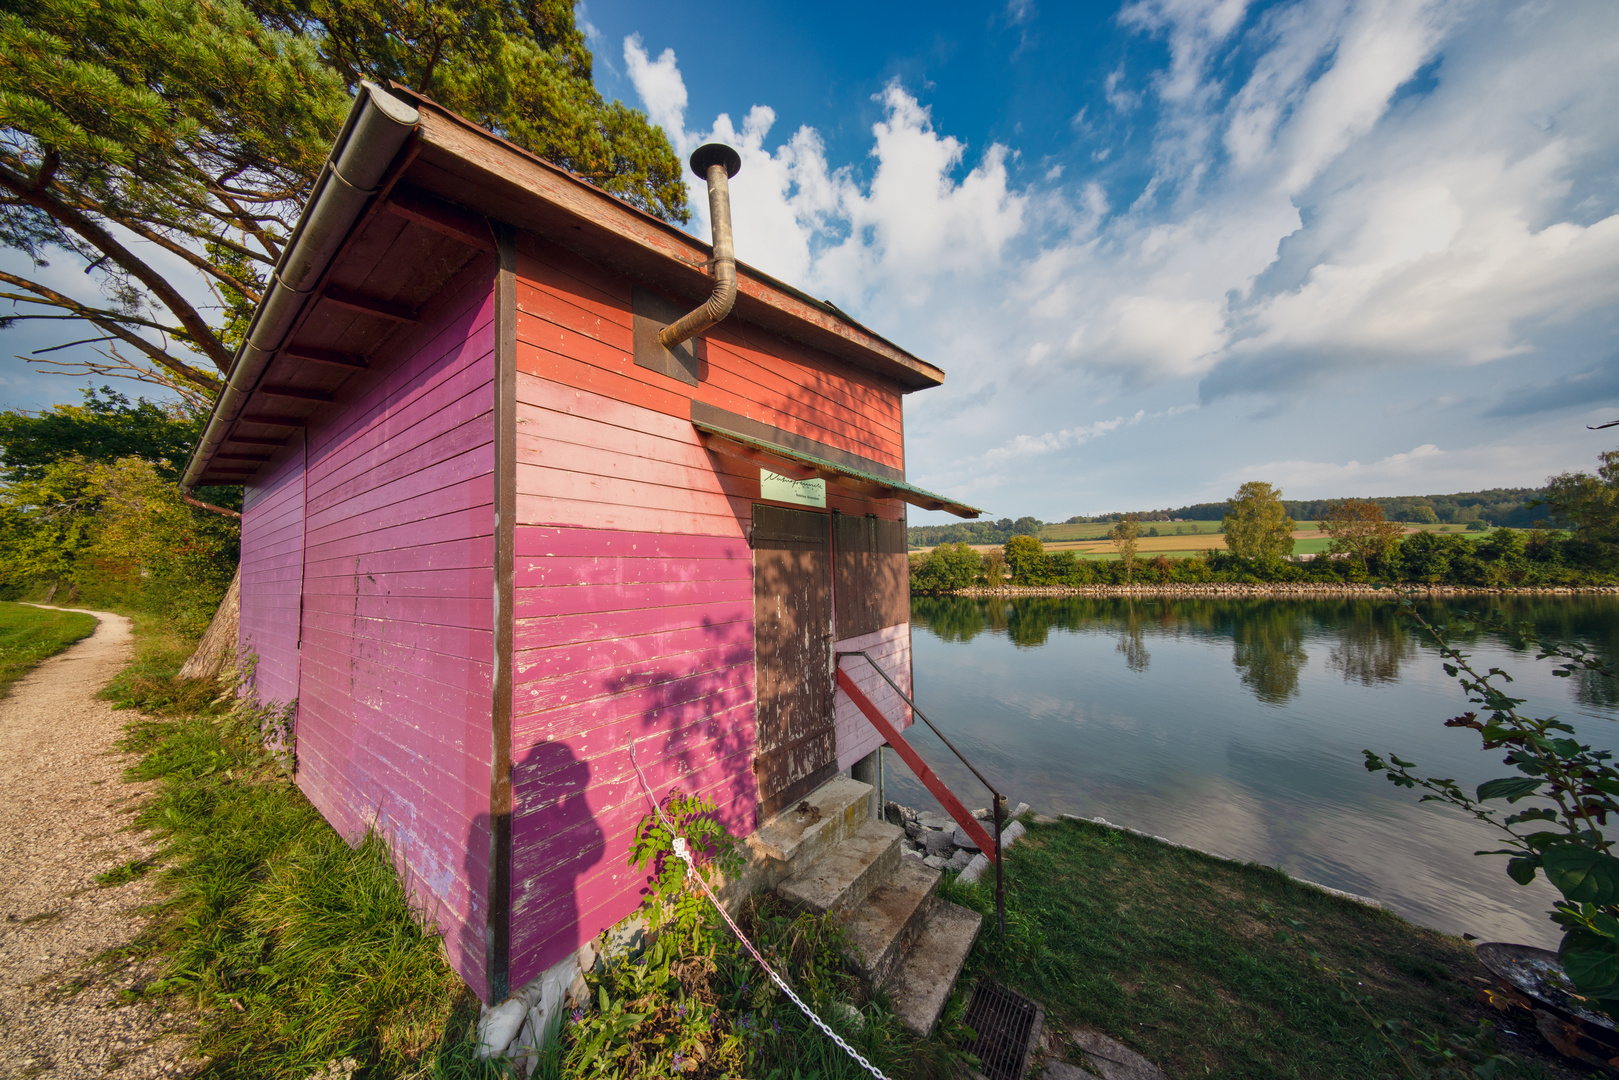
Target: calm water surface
pixel 1237 726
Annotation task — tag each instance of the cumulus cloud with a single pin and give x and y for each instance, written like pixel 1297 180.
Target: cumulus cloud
pixel 1333 188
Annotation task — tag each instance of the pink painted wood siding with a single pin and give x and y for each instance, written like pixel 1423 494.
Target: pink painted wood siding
pixel 272 572
pixel 891 648
pixel 621 633
pixel 395 689
pixel 634 583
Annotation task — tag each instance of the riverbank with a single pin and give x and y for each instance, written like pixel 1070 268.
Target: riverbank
pixel 1277 590
pixel 1177 955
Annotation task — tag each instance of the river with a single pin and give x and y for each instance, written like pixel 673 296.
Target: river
pixel 1237 726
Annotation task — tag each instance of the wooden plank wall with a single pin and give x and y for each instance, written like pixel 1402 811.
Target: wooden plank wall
pixel 633 582
pixel 272 572
pixel 396 666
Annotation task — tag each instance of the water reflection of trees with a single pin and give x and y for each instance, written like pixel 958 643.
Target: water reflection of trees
pixel 1373 641
pixel 1370 642
pixel 1267 647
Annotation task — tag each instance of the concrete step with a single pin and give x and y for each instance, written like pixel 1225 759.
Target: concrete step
pixel 887 924
pixel 840 879
pixel 794 838
pixel 920 984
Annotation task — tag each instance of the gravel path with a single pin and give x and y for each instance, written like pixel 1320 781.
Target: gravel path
pixel 63 817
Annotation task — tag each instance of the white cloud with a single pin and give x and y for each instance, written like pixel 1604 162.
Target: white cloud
pixel 1052 441
pixel 1310 215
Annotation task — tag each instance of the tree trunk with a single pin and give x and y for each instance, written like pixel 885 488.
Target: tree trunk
pixel 218 644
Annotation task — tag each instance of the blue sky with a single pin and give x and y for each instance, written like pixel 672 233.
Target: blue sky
pixel 1165 247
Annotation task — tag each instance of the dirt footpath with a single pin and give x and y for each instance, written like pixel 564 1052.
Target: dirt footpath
pixel 63 816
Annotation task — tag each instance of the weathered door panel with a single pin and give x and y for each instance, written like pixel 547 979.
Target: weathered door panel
pixel 873 583
pixel 792 609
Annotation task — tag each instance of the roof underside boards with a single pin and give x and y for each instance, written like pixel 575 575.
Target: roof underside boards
pixel 802 466
pixel 390 266
pixel 432 218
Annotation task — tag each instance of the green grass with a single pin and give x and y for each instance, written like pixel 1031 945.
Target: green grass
pixel 29 635
pixel 1176 954
pixel 292 948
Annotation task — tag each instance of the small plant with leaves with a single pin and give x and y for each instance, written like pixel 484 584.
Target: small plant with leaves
pixel 1566 789
pixel 674 903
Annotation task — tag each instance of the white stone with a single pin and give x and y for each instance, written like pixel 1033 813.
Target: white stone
pixel 961 859
pixel 930 820
pixel 975 868
pixel 936 863
pixel 1022 808
pixel 1012 834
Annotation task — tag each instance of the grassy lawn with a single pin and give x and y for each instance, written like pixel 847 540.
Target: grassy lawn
pixel 29 635
pixel 1176 954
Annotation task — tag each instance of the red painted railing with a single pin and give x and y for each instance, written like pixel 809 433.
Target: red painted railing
pixel 947 798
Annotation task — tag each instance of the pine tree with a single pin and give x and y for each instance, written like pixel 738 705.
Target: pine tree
pixel 200 126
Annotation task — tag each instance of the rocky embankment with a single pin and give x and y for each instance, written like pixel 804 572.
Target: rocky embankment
pixel 1296 590
pixel 939 842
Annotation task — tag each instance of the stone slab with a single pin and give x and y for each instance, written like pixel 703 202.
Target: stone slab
pixel 1112 1060
pixel 841 878
pixel 840 807
pixel 886 924
pixel 921 983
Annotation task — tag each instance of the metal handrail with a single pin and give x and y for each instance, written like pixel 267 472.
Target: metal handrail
pixel 998 801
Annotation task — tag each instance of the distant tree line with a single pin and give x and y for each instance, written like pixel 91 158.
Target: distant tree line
pixel 974 532
pixel 1505 507
pixel 1366 546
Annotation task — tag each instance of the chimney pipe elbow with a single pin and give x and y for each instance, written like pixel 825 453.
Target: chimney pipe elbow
pixel 716 163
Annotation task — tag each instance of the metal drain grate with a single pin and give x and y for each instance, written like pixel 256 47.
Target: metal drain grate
pixel 1005 1023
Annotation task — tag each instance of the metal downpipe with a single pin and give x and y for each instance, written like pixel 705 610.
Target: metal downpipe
pixel 716 163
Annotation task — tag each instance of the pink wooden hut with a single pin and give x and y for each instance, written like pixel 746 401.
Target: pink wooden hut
pixel 493 529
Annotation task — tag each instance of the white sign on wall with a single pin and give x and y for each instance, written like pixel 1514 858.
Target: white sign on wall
pixel 778 488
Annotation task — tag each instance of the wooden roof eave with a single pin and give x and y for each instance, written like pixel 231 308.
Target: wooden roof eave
pixel 462 163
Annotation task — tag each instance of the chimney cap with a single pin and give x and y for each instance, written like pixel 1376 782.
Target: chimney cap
pixel 714 153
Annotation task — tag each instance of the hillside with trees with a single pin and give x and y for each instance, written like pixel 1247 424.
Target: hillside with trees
pixel 1508 508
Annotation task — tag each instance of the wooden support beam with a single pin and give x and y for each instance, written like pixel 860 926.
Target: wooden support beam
pixel 446 218
pixel 241 457
pixel 369 305
pixel 930 780
pixel 296 393
pixel 246 440
pixel 330 357
pixel 269 420
pixel 781 466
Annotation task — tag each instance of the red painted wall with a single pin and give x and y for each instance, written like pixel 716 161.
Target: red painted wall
pixel 634 583
pixel 394 670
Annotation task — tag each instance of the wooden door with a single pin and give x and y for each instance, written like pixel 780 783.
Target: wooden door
pixel 792 612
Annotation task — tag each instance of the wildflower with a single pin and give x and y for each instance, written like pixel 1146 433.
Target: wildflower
pixel 680 1059
pixel 776 1024
pixel 682 1009
pixel 577 1015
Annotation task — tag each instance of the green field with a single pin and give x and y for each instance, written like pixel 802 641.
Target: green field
pixel 29 635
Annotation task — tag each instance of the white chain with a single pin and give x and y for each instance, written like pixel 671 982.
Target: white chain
pixel 684 854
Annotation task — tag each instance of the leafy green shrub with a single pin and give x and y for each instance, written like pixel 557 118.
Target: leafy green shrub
pixel 1026 560
pixel 946 567
pixel 1568 788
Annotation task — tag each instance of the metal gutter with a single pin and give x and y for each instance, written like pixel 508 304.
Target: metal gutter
pixel 372 136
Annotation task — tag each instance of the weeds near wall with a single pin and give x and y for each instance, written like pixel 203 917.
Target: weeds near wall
pixel 301 955
pixel 694 1003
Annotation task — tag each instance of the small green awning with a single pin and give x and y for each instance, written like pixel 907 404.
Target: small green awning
pixel 802 466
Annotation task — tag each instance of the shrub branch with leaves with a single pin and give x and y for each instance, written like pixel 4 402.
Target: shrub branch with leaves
pixel 1567 790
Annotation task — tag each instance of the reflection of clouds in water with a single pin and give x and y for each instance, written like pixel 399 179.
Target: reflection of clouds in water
pixel 1184 750
pixel 1416 859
